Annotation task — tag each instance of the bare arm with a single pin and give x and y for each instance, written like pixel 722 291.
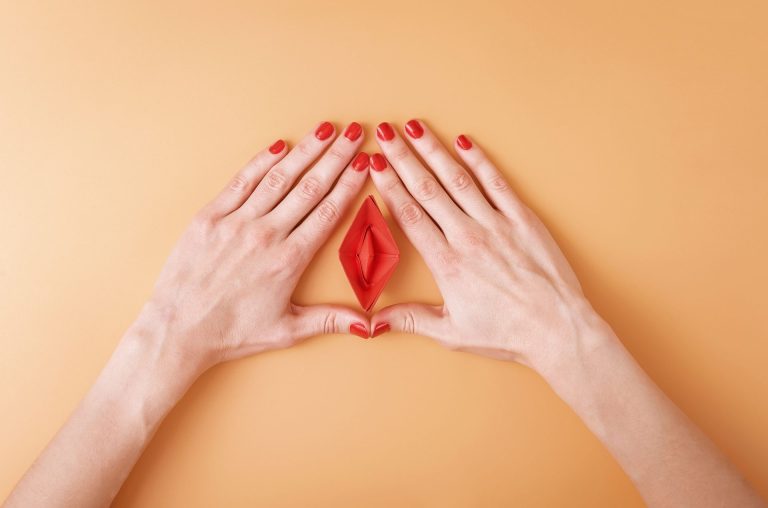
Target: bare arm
pixel 670 461
pixel 224 293
pixel 510 294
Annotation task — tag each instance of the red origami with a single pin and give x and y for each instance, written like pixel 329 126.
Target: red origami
pixel 368 253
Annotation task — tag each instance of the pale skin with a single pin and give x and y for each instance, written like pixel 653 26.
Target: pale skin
pixel 508 294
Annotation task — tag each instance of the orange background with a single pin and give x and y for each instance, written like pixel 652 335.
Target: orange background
pixel 636 129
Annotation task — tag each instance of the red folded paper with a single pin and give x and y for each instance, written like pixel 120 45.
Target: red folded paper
pixel 368 253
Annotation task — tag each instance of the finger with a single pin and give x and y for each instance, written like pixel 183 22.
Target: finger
pixel 280 178
pixel 418 227
pixel 318 180
pixel 242 184
pixel 493 182
pixel 419 182
pixel 319 224
pixel 455 179
pixel 417 318
pixel 314 320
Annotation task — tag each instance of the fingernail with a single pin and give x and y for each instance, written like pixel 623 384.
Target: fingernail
pixel 277 146
pixel 380 329
pixel 359 329
pixel 414 129
pixel 378 162
pixel 464 142
pixel 361 162
pixel 385 132
pixel 324 131
pixel 353 131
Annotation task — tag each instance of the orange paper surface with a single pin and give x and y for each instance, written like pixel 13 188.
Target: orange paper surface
pixel 635 130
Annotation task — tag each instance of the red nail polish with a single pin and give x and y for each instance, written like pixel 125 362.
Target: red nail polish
pixel 464 142
pixel 359 329
pixel 378 162
pixel 414 129
pixel 361 162
pixel 277 146
pixel 324 131
pixel 353 131
pixel 380 329
pixel 385 132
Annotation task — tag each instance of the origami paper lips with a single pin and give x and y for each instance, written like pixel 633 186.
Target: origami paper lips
pixel 368 254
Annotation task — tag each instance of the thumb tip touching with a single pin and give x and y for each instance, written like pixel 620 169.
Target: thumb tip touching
pixel 405 317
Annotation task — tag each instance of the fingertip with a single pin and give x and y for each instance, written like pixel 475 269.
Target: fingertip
pixel 324 131
pixel 354 131
pixel 378 162
pixel 361 162
pixel 359 329
pixel 277 147
pixel 385 132
pixel 414 128
pixel 463 142
pixel 380 329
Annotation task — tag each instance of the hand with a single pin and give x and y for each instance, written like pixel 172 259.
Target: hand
pixel 225 292
pixel 508 291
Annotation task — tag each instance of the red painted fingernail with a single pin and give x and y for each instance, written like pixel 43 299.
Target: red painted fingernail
pixel 464 142
pixel 359 329
pixel 353 131
pixel 378 162
pixel 324 131
pixel 277 146
pixel 380 329
pixel 414 129
pixel 385 131
pixel 361 162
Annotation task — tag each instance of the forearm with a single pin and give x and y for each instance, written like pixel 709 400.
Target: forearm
pixel 670 461
pixel 88 460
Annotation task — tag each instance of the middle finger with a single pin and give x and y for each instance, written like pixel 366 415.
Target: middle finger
pixel 419 182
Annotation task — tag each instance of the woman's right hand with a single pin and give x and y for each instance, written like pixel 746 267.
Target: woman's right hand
pixel 508 291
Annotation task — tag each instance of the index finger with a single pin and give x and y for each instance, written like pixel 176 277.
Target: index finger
pixel 318 225
pixel 417 225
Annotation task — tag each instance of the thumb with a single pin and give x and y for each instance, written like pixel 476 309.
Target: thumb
pixel 418 318
pixel 326 319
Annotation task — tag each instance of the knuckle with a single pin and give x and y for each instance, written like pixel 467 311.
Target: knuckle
pixel 335 153
pixel 409 322
pixel 448 259
pixel 305 149
pixel 499 223
pixel 426 189
pixel 263 236
pixel 524 216
pixel 410 214
pixel 460 181
pixel 391 184
pixel 203 223
pixel 327 213
pixel 474 240
pixel 257 162
pixel 276 180
pixel 401 153
pixel 431 147
pixel 347 180
pixel 238 184
pixel 288 260
pixel 498 183
pixel 330 323
pixel 310 188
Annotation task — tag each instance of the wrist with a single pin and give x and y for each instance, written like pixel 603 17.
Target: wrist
pixel 589 335
pixel 146 375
